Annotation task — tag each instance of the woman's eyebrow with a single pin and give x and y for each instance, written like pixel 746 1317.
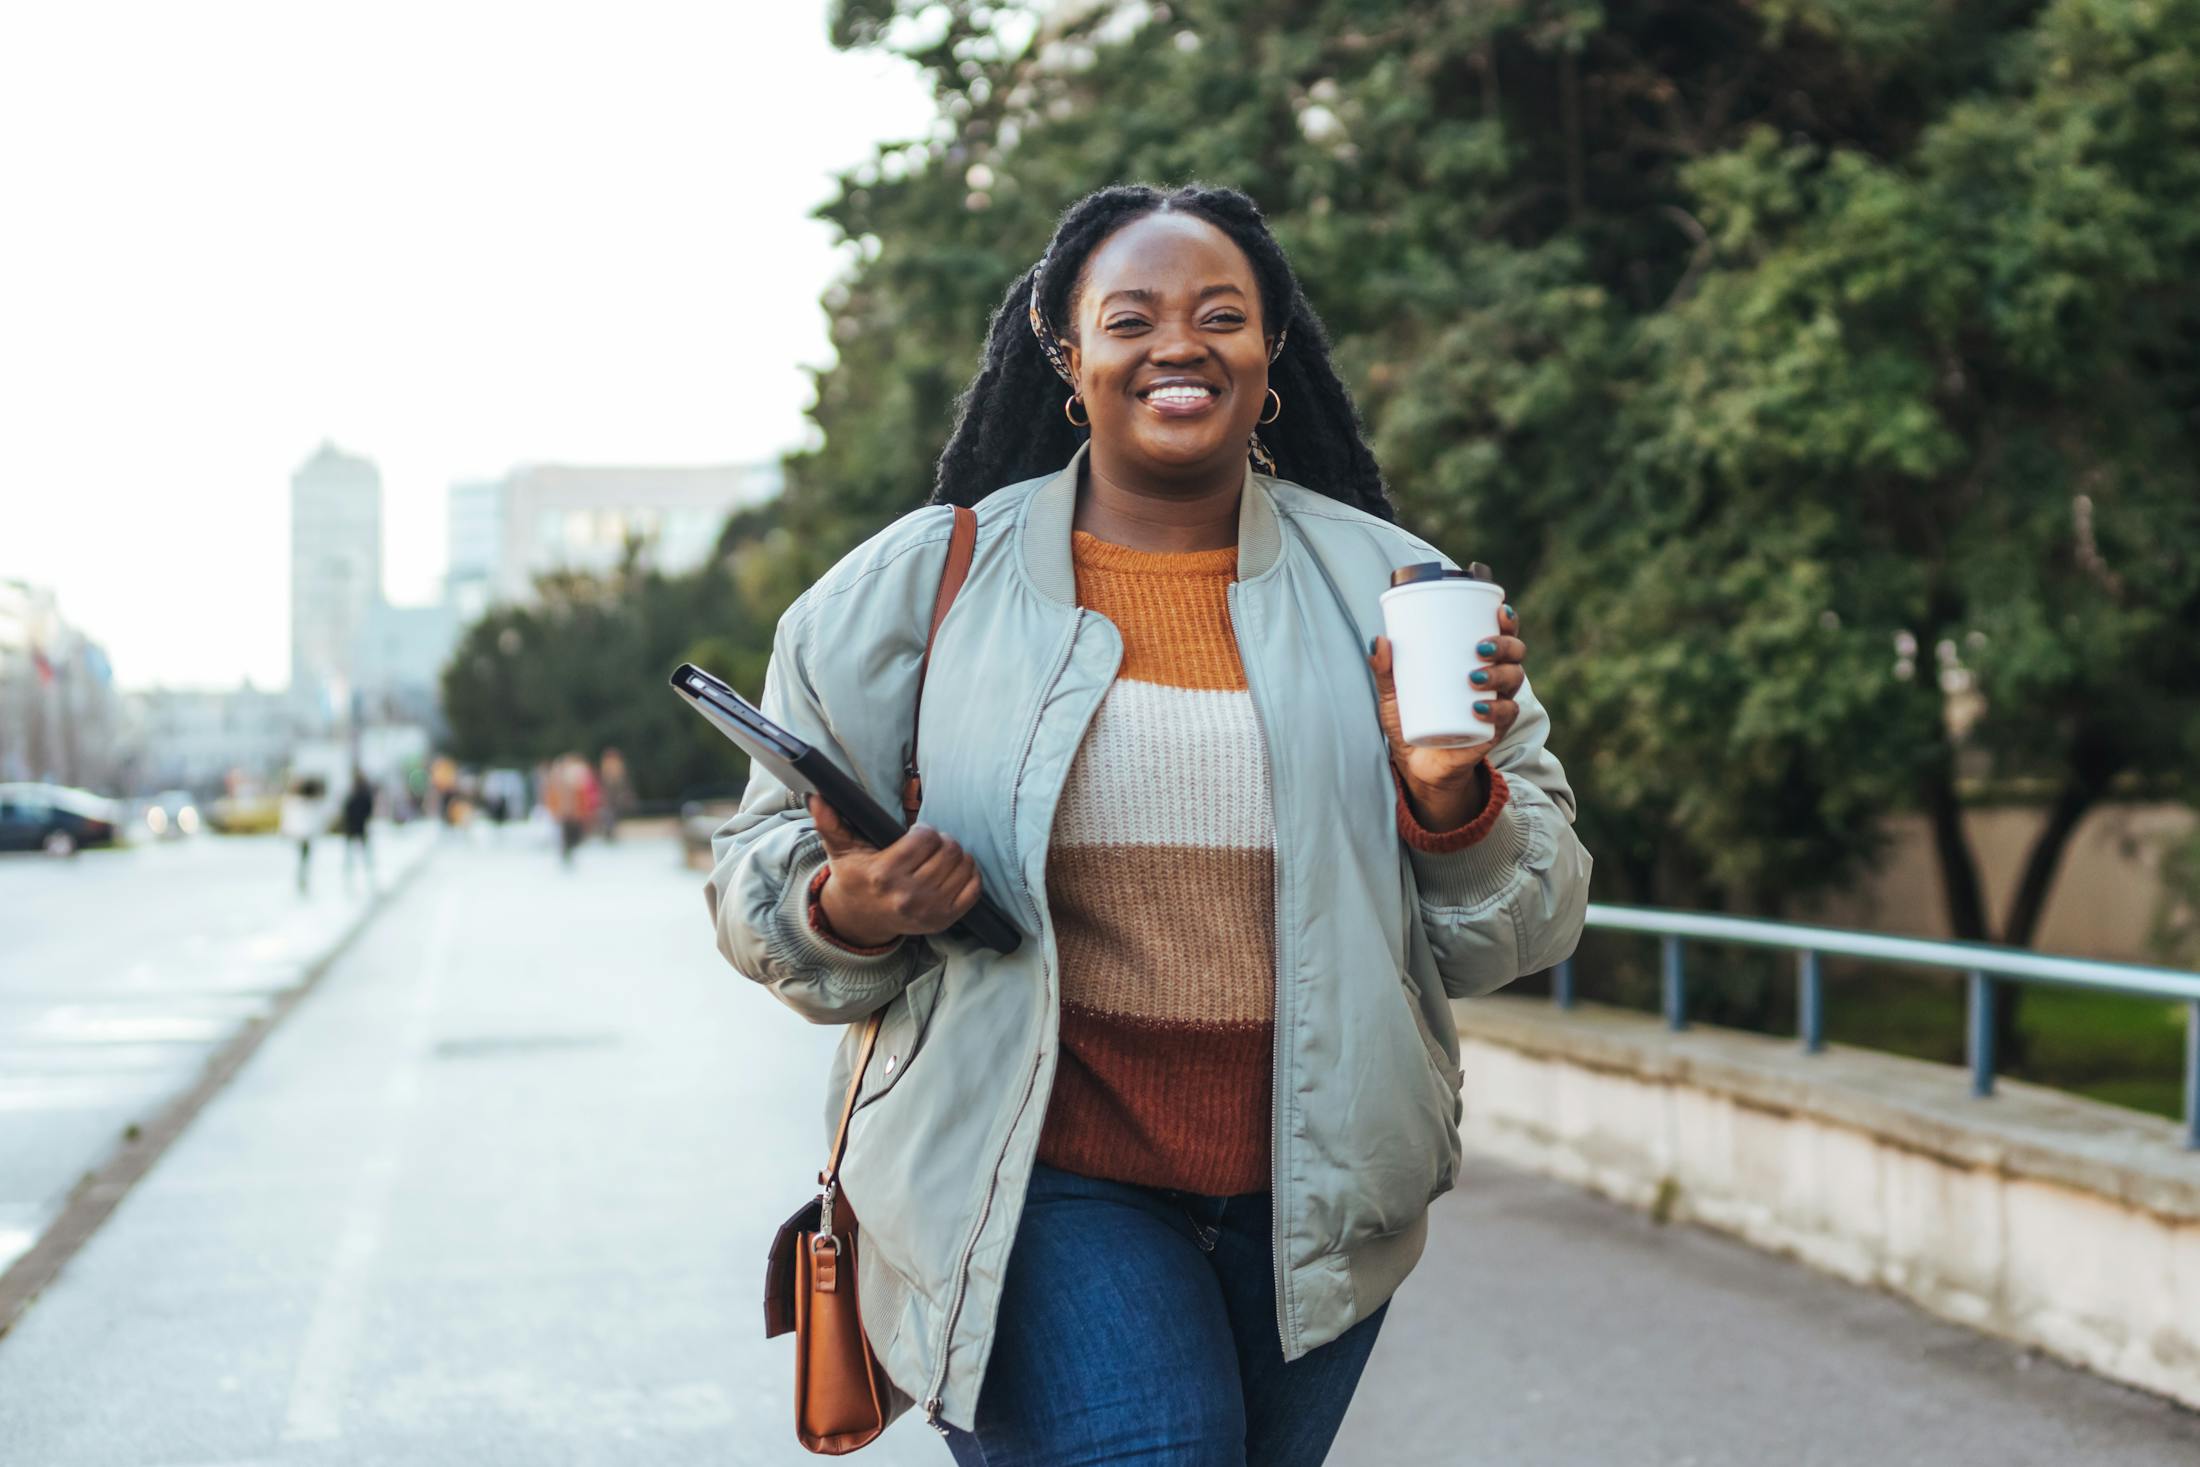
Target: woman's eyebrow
pixel 1147 297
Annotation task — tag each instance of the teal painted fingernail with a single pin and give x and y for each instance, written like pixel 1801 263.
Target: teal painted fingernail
pixel 1481 707
pixel 1480 675
pixel 1487 649
pixel 1509 611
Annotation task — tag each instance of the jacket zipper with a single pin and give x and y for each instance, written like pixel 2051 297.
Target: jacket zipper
pixel 1031 1081
pixel 1276 1204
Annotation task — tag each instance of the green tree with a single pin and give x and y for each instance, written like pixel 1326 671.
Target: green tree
pixel 584 665
pixel 1753 344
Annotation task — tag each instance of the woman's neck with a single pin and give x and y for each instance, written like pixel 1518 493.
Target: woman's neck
pixel 1189 516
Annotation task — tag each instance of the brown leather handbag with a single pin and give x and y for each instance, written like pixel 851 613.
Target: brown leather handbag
pixel 840 1390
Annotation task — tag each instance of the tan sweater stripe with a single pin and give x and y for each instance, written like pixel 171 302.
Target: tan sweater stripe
pixel 1191 967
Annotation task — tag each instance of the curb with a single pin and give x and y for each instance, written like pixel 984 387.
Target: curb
pixel 98 1193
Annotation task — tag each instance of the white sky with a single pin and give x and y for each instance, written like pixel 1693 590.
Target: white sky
pixel 452 237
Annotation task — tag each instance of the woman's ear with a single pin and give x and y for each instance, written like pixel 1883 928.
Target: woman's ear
pixel 1076 360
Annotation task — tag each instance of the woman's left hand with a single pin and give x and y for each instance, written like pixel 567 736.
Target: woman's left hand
pixel 1443 783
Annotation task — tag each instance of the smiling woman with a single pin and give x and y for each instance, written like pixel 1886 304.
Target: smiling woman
pixel 1150 1187
pixel 1129 265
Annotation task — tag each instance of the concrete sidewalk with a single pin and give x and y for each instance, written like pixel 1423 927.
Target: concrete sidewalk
pixel 126 972
pixel 498 1192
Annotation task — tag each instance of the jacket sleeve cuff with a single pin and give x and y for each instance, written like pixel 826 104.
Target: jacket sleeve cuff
pixel 813 902
pixel 1475 864
pixel 1442 842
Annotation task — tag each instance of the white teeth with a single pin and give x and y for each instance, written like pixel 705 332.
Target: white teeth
pixel 1179 394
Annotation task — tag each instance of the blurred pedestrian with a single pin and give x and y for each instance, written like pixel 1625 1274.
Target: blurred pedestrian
pixel 571 792
pixel 304 815
pixel 589 807
pixel 443 780
pixel 618 794
pixel 358 810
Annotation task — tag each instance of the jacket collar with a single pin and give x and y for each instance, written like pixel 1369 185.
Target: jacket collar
pixel 1052 507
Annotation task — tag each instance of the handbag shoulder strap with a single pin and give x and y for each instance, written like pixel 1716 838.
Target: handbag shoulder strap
pixel 960 544
pixel 831 1175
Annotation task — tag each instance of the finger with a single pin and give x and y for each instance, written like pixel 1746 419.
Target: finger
pixel 936 869
pixel 905 855
pixel 1501 712
pixel 1502 649
pixel 967 898
pixel 1508 620
pixel 1379 659
pixel 834 831
pixel 1500 680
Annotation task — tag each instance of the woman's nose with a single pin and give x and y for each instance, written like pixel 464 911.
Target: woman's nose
pixel 1176 347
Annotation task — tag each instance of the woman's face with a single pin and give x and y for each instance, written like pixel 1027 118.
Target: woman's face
pixel 1168 346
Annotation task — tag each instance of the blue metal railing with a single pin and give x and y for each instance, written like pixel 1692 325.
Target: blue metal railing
pixel 1984 965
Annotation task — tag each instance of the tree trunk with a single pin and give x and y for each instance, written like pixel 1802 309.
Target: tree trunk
pixel 2092 767
pixel 1966 907
pixel 1959 883
pixel 2087 781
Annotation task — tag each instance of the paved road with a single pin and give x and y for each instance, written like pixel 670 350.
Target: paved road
pixel 122 970
pixel 497 1192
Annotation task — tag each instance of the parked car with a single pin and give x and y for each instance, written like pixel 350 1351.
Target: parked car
pixel 172 814
pixel 55 819
pixel 246 814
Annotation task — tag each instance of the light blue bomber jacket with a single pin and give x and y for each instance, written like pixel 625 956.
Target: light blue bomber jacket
pixel 1373 936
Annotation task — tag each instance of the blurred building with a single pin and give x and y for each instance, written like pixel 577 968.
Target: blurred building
pixel 476 535
pixel 60 716
pixel 571 517
pixel 195 739
pixel 397 660
pixel 335 574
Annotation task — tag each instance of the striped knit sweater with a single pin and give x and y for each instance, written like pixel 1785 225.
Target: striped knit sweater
pixel 1161 876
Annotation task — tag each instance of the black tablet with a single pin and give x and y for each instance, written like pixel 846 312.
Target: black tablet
pixel 802 768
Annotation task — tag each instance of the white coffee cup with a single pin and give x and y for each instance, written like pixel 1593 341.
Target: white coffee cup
pixel 1435 616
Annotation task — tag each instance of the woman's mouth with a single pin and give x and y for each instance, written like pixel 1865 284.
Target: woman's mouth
pixel 1181 399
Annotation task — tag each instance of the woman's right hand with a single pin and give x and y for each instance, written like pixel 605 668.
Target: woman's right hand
pixel 922 883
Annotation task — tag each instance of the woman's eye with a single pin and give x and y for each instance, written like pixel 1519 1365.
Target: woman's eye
pixel 1226 318
pixel 1124 322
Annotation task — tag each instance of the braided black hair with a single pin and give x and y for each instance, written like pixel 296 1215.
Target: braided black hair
pixel 1009 423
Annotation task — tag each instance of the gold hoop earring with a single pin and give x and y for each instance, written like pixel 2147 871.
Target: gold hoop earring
pixel 1070 402
pixel 1279 407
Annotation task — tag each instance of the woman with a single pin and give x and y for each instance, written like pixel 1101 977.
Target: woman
pixel 1141 1190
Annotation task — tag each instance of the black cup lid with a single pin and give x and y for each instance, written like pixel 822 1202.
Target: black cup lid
pixel 1436 570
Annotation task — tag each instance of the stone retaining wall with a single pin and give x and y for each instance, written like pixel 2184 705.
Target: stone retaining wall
pixel 2058 1222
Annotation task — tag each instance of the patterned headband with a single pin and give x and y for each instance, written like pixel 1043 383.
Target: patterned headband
pixel 1059 359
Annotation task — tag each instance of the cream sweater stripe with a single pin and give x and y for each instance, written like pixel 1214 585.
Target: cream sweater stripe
pixel 1169 766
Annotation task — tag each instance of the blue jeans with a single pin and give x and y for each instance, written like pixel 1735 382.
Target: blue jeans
pixel 1138 1324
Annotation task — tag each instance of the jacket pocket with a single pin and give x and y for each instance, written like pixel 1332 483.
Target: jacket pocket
pixel 1440 1063
pixel 901 1032
pixel 1433 1106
